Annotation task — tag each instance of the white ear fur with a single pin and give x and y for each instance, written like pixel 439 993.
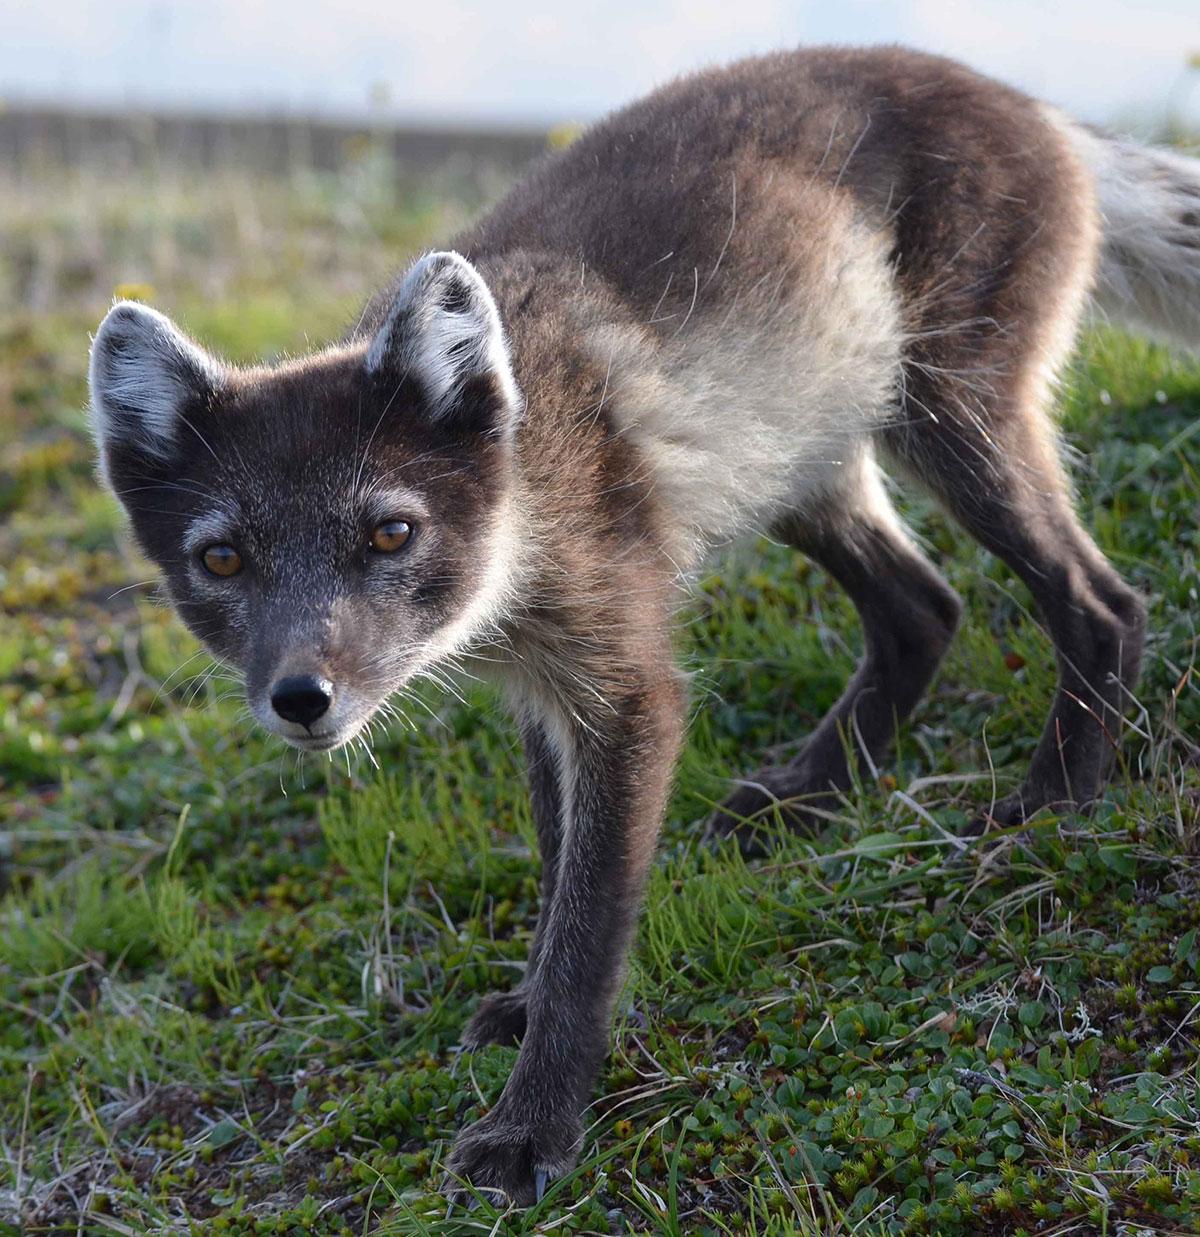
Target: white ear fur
pixel 445 330
pixel 142 371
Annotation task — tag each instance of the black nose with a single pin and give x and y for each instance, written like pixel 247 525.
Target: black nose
pixel 302 698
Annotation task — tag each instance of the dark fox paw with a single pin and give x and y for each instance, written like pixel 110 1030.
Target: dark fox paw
pixel 500 1019
pixel 751 812
pixel 511 1161
pixel 1003 814
pixel 1022 806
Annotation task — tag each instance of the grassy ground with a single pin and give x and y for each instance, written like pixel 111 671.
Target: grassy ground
pixel 231 982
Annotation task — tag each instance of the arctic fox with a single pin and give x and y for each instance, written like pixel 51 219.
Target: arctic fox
pixel 715 313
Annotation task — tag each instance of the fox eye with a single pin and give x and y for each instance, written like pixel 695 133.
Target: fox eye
pixel 390 536
pixel 221 560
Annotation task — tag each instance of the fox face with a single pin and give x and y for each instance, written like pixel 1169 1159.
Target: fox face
pixel 328 527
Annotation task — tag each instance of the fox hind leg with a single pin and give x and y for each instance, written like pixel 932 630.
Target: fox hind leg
pixel 994 464
pixel 994 314
pixel 909 615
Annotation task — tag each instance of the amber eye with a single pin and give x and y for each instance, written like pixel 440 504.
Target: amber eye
pixel 389 536
pixel 221 560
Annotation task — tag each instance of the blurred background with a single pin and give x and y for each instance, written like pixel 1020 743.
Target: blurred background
pixel 532 62
pixel 224 149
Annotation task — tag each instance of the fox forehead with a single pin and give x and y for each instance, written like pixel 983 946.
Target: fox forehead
pixel 320 408
pixel 311 437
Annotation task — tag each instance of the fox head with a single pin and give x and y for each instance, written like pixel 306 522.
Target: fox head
pixel 328 526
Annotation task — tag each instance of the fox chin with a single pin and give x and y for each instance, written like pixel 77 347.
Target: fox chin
pixel 724 309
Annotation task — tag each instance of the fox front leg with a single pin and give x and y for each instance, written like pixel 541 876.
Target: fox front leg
pixel 502 1016
pixel 615 767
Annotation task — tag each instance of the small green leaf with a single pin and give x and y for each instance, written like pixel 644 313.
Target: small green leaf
pixel 1160 975
pixel 939 945
pixel 1118 859
pixel 224 1132
pixel 1087 1058
pixel 1032 1014
pixel 880 845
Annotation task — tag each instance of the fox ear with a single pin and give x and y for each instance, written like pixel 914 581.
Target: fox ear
pixel 144 372
pixel 443 330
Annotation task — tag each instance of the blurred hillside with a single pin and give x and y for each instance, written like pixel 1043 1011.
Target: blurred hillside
pixel 32 138
pixel 183 209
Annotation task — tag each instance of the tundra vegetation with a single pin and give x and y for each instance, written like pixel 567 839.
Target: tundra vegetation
pixel 232 981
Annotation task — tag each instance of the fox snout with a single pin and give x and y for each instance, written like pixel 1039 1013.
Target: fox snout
pixel 302 698
pixel 308 704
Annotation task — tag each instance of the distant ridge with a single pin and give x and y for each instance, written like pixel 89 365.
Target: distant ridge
pixel 40 135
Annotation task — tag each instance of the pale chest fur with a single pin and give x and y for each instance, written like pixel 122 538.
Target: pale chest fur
pixel 762 404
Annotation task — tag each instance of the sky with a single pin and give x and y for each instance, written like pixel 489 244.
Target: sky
pixel 538 61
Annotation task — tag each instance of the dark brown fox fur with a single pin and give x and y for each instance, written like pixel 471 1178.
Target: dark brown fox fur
pixel 709 316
